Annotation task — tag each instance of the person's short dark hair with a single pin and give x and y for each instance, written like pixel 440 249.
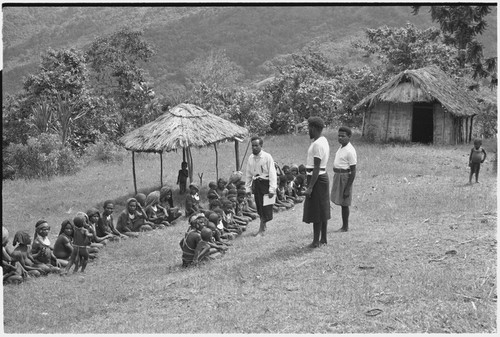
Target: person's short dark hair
pixel 261 142
pixel 316 122
pixel 206 234
pixel 346 130
pixel 478 140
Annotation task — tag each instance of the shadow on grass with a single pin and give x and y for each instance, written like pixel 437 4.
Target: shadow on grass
pixel 289 252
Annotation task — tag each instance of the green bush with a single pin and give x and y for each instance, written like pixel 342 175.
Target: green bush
pixel 42 157
pixel 104 150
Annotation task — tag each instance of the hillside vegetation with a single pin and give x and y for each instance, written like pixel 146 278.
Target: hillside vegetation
pixel 251 35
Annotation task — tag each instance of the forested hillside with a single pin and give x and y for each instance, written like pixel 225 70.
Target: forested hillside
pixel 250 35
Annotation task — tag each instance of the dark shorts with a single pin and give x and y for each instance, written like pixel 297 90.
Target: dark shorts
pixel 474 167
pixel 261 187
pixel 317 206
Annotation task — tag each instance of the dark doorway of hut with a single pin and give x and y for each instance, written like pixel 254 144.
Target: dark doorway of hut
pixel 422 123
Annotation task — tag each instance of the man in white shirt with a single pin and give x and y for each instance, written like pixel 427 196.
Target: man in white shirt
pixel 317 202
pixel 261 179
pixel 344 166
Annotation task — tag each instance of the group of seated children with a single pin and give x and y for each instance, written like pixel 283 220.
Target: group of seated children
pixel 81 238
pixel 229 212
pixel 291 186
pixel 230 209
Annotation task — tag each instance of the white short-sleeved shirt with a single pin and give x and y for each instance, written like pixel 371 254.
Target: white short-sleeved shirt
pixel 318 149
pixel 345 157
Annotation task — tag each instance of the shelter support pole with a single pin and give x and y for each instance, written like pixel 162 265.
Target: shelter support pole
pixel 133 171
pixel 237 154
pixel 161 169
pixel 183 154
pixel 216 163
pixel 190 163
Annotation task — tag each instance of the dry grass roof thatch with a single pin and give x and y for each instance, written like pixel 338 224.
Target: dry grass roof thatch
pixel 185 125
pixel 424 85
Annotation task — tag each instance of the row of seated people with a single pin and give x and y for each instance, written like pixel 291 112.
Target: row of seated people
pixel 82 237
pixel 291 185
pixel 230 210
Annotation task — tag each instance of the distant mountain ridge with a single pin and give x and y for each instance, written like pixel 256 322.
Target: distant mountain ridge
pixel 251 35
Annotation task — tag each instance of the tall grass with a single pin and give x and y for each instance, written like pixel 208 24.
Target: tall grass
pixel 411 209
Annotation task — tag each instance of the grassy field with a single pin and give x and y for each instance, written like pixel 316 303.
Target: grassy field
pixel 420 256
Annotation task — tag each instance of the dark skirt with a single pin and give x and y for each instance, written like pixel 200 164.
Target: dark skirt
pixel 261 187
pixel 317 206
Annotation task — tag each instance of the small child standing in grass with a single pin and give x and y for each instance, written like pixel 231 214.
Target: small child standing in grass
pixel 476 158
pixel 182 177
pixel 81 242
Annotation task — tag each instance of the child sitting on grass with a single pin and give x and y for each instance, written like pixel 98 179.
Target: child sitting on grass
pixel 81 243
pixel 246 210
pixel 130 221
pixel 22 254
pixel 221 188
pixel 94 218
pixel 193 201
pixel 41 250
pixel 106 224
pixel 13 271
pixel 63 247
pixel 205 249
pixel 228 217
pixel 156 213
pixel 212 192
pixel 167 201
pixel 281 196
pixel 191 238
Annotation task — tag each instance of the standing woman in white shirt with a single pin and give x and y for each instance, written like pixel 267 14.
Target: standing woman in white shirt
pixel 344 168
pixel 261 179
pixel 317 201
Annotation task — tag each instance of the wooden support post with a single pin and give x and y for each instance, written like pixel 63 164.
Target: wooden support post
pixel 133 171
pixel 237 154
pixel 161 169
pixel 388 119
pixel 183 154
pixel 190 164
pixel 216 163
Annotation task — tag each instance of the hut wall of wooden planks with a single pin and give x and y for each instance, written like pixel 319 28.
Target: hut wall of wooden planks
pixel 385 122
pixel 419 105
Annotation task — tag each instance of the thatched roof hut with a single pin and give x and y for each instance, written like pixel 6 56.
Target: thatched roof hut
pixel 421 105
pixel 182 127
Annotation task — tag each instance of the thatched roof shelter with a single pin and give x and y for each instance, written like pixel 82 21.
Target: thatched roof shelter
pixel 427 84
pixel 420 105
pixel 182 127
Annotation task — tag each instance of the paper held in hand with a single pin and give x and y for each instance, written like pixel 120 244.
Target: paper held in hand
pixel 269 201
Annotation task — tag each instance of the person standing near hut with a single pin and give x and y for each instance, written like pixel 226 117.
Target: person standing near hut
pixel 261 179
pixel 317 201
pixel 344 166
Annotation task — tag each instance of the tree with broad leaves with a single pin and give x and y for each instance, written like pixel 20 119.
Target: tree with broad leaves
pixel 114 61
pixel 304 88
pixel 401 48
pixel 460 26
